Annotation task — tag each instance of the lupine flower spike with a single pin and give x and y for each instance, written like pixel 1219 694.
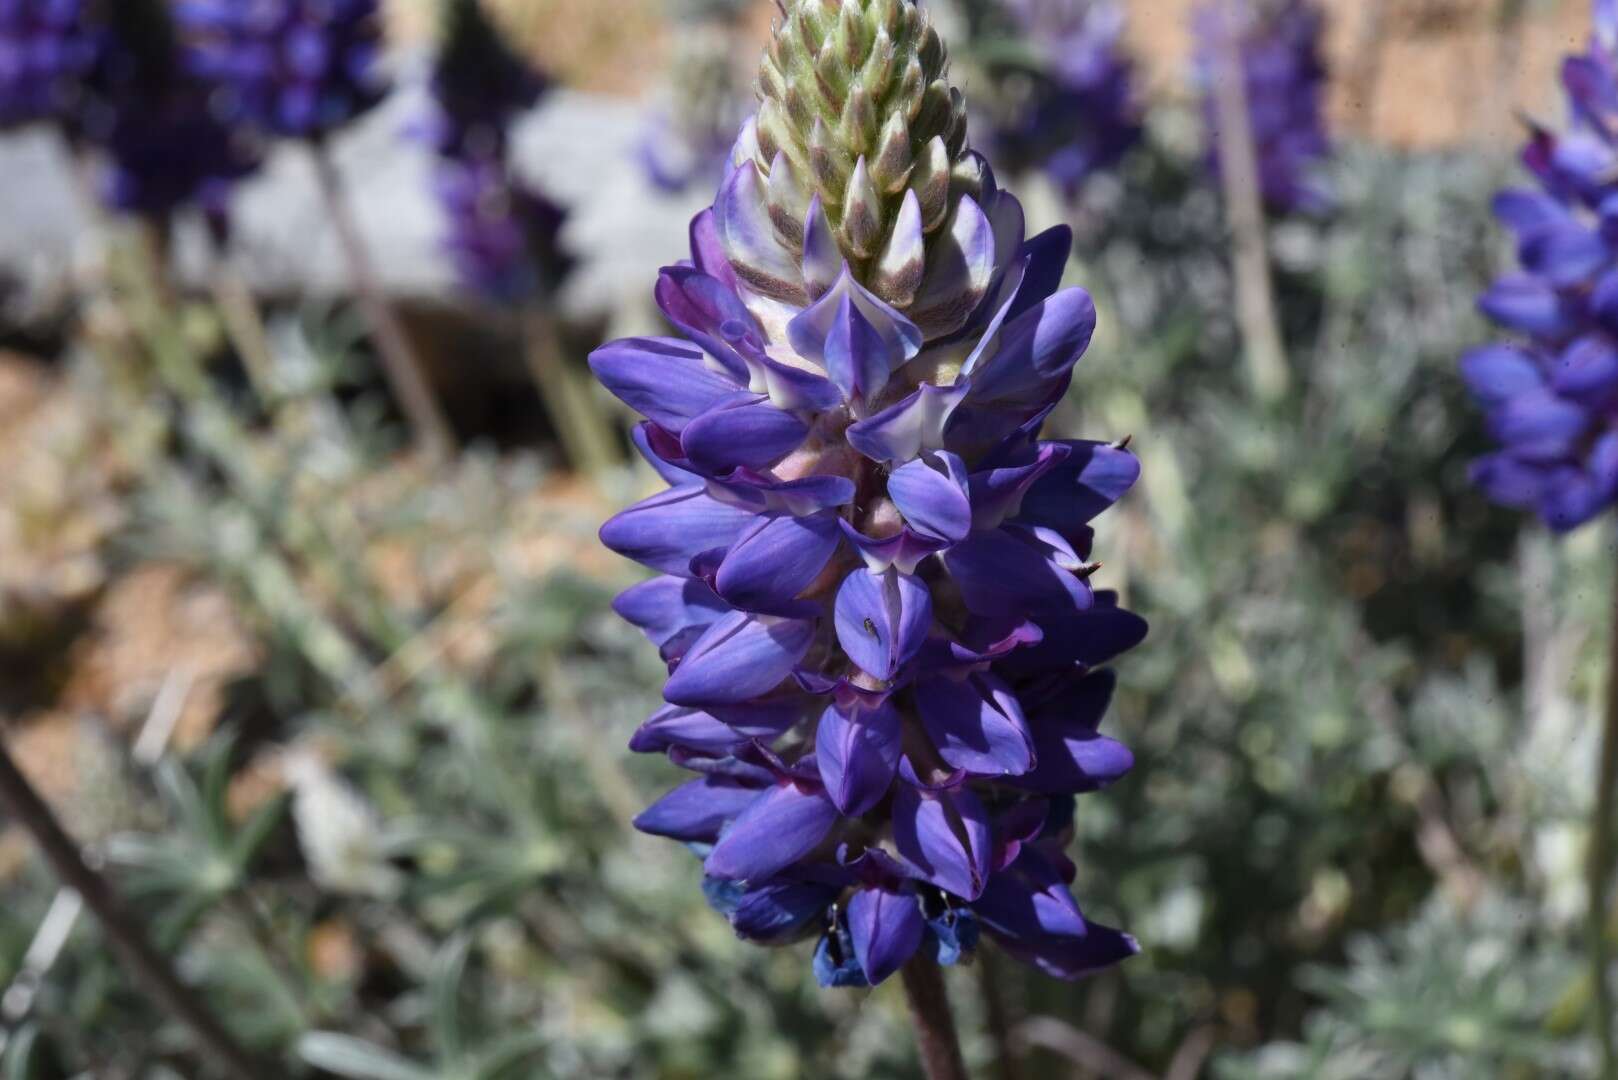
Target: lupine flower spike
pixel 503 235
pixel 304 69
pixel 874 588
pixel 166 147
pixel 1284 80
pixel 1081 114
pixel 47 51
pixel 1550 392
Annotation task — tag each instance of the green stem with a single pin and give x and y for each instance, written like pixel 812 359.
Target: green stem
pixel 585 433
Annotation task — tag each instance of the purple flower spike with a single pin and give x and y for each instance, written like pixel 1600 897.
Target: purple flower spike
pixel 873 589
pixel 290 68
pixel 1284 76
pixel 1549 397
pixel 1081 113
pixel 47 53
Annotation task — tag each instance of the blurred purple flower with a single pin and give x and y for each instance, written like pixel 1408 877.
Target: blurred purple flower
pixel 1082 114
pixel 873 589
pixel 166 147
pixel 1552 395
pixel 47 51
pixel 1285 80
pixel 499 232
pixel 501 235
pixel 479 84
pixel 289 68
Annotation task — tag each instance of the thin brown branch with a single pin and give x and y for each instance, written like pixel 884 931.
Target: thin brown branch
pixel 403 368
pixel 1079 1047
pixel 124 933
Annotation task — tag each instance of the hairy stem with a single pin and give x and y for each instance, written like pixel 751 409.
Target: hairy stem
pixel 932 1019
pixel 1238 171
pixel 400 363
pixel 124 933
pixel 1600 859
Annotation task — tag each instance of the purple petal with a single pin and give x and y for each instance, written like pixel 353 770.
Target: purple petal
pixel 665 607
pixel 823 261
pixel 882 620
pixel 946 836
pixel 1587 370
pixel 887 928
pixel 776 912
pixel 998 493
pixel 857 751
pixel 695 811
pixel 743 432
pixel 1539 426
pixel 802 497
pixel 777 560
pixel 1001 575
pixel 1087 482
pixel 904 430
pixel 1509 481
pixel 694 729
pixel 856 337
pixel 737 658
pixel 668 530
pixel 960 264
pixel 708 311
pixel 1527 304
pixel 1525 212
pixel 644 435
pixel 903 550
pixel 1030 900
pixel 1035 351
pixel 931 493
pixel 1564 255
pixel 708 249
pixel 755 252
pixel 1072 958
pixel 775 831
pixel 976 725
pixel 1089 638
pixel 664 379
pixel 1072 757
pixel 1498 373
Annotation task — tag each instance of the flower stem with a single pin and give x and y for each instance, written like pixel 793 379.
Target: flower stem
pixel 123 932
pixel 585 433
pixel 1238 171
pixel 934 1024
pixel 1600 860
pixel 400 363
pixel 997 1014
